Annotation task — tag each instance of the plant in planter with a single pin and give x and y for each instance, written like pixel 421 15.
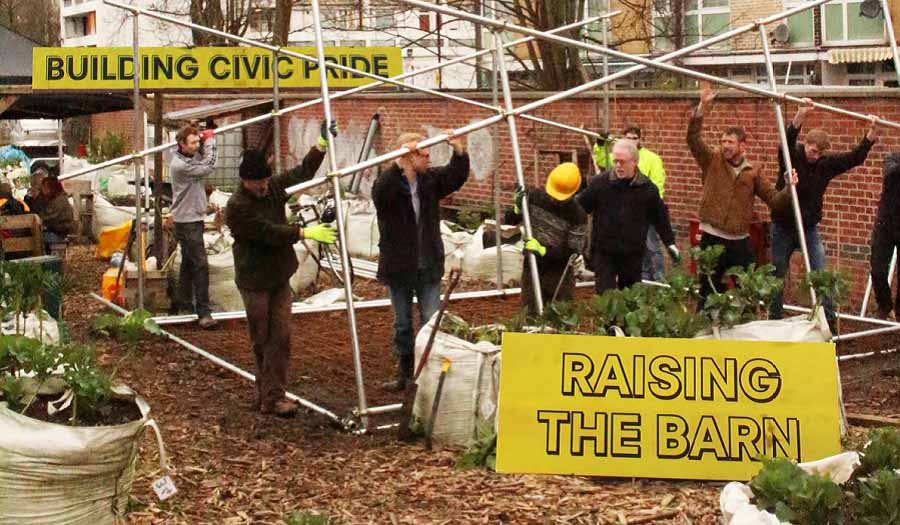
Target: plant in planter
pixel 828 284
pixel 786 490
pixel 128 330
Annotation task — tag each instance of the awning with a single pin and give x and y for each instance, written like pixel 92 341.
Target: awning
pixel 858 55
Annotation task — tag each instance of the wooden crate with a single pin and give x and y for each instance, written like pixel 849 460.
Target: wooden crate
pixel 22 235
pixel 156 296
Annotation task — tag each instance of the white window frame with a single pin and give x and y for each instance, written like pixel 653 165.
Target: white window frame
pixel 846 26
pixel 790 4
pixel 700 11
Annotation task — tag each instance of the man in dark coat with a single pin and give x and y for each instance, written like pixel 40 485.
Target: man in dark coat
pixel 411 253
pixel 624 203
pixel 815 168
pixel 264 261
pixel 559 231
pixel 886 237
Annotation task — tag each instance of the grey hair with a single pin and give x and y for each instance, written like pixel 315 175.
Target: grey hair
pixel 628 145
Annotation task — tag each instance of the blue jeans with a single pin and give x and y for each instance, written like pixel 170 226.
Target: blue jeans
pixel 429 295
pixel 654 266
pixel 785 243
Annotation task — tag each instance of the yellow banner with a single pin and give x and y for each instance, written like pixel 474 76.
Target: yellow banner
pixel 663 408
pixel 203 67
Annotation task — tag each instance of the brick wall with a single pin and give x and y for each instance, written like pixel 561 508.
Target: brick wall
pixel 849 205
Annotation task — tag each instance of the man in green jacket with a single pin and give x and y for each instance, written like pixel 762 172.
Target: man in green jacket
pixel 651 165
pixel 264 261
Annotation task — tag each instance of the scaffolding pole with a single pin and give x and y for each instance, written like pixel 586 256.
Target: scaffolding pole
pixel 659 63
pixel 786 155
pixel 137 161
pixel 339 212
pixel 276 118
pixel 296 107
pixel 889 25
pixel 520 175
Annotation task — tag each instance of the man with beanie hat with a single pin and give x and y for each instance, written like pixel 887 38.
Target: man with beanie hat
pixel 559 229
pixel 189 170
pixel 264 261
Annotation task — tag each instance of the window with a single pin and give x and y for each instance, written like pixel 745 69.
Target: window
pixel 702 19
pixel 384 19
pixel 841 24
pixel 800 25
pixel 705 18
pixel 872 74
pixel 262 19
pixel 81 25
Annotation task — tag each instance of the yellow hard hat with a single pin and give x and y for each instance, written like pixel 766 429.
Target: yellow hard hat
pixel 563 181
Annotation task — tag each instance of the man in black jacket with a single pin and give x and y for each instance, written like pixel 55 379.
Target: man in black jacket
pixel 624 203
pixel 411 253
pixel 264 261
pixel 815 169
pixel 886 236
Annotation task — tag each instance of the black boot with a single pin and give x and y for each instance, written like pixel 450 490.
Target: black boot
pixel 404 374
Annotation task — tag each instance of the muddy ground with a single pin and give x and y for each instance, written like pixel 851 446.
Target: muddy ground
pixel 234 466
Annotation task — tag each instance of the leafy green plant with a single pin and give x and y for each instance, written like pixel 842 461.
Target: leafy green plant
pixel 13 390
pixel 562 316
pixel 879 502
pixel 23 288
pixel 110 146
pixel 757 286
pixel 91 387
pixel 783 488
pixel 468 217
pixel 882 452
pixel 483 450
pixel 828 284
pixel 707 259
pixel 128 329
pixel 39 360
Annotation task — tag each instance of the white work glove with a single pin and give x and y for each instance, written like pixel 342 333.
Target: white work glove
pixel 673 251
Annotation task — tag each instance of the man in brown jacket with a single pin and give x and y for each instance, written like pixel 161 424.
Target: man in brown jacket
pixel 729 184
pixel 264 261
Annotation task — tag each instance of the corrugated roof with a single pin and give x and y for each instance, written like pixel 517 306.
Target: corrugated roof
pixel 858 55
pixel 218 110
pixel 16 64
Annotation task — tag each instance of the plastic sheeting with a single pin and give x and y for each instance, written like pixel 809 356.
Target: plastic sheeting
pixel 53 473
pixel 471 387
pixel 46 330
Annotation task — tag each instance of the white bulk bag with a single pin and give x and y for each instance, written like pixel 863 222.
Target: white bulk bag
pixel 53 473
pixel 471 387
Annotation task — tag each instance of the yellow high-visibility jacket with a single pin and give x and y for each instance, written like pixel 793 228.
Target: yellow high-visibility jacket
pixel 649 163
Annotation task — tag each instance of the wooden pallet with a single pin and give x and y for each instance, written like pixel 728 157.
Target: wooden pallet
pixel 22 235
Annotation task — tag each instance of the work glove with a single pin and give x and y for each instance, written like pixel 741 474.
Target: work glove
pixel 517 199
pixel 323 133
pixel 673 251
pixel 533 245
pixel 324 233
pixel 207 134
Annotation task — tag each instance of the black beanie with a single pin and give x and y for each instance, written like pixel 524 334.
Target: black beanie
pixel 254 166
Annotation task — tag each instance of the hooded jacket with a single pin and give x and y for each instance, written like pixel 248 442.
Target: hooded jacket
pixel 622 211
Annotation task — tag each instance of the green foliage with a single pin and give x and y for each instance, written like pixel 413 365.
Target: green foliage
pixel 128 329
pixel 13 391
pixel 563 316
pixel 110 146
pixel 757 286
pixel 305 518
pixel 826 284
pixel 469 218
pixel 22 288
pixel 880 499
pixel 783 488
pixel 707 258
pixel 882 452
pixel 483 450
pixel 91 387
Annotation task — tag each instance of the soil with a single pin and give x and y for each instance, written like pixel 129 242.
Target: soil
pixel 234 466
pixel 116 412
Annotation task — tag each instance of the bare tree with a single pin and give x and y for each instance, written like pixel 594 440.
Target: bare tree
pixel 231 16
pixel 36 20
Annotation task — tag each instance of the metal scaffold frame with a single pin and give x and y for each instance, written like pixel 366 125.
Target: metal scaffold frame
pixel 506 112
